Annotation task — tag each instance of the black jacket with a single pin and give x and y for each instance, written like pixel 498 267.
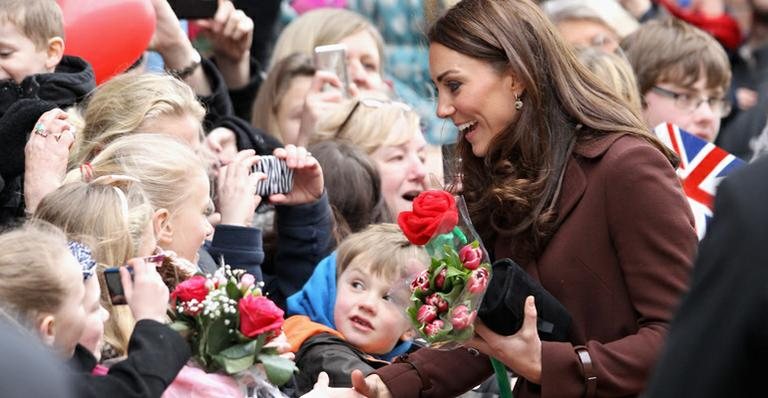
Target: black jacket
pixel 334 356
pixel 718 341
pixel 156 354
pixel 20 107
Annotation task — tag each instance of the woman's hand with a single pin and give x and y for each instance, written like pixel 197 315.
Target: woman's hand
pixel 146 293
pixel 308 184
pixel 321 390
pixel 318 103
pixel 222 143
pixel 231 34
pixel 45 156
pixel 521 351
pixel 236 200
pixel 173 45
pixel 371 386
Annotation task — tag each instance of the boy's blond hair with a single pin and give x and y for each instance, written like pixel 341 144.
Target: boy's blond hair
pixel 672 51
pixel 38 20
pixel 384 250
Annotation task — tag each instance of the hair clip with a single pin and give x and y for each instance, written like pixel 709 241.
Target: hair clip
pixel 87 171
pixel 84 256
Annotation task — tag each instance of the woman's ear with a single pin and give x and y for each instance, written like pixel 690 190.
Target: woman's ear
pixel 161 223
pixel 46 329
pixel 54 53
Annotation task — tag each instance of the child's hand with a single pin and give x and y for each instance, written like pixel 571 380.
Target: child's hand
pixel 46 155
pixel 230 32
pixel 308 184
pixel 321 390
pixel 146 294
pixel 236 199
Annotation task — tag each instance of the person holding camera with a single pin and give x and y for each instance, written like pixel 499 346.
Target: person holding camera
pixel 562 177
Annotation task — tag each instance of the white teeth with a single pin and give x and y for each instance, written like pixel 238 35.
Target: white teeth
pixel 465 126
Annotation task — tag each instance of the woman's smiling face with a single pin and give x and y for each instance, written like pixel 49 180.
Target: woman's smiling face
pixel 477 98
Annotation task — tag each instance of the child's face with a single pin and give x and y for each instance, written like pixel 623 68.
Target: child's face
pixel 69 320
pixel 96 315
pixel 189 223
pixel 702 121
pixel 365 314
pixel 18 56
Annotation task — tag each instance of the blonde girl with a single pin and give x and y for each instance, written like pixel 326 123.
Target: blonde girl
pixel 175 181
pixel 114 216
pixel 42 291
pixel 152 103
pixel 41 285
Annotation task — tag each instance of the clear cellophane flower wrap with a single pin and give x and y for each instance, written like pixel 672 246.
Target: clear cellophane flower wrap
pixel 444 297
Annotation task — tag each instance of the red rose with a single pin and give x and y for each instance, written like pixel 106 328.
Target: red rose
pixel 434 213
pixel 258 315
pixel 192 288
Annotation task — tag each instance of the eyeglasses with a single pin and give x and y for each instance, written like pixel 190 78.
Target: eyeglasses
pixel 372 103
pixel 690 103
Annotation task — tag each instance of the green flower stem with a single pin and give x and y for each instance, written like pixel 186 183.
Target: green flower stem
pixel 505 389
pixel 462 238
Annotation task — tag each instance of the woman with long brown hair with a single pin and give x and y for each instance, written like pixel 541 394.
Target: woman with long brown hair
pixel 562 177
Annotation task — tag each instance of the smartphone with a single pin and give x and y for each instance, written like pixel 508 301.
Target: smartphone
pixel 279 176
pixel 194 9
pixel 333 58
pixel 115 284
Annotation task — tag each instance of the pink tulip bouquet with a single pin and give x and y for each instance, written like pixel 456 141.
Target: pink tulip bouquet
pixel 444 298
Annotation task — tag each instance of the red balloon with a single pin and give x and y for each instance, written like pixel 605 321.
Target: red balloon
pixel 110 34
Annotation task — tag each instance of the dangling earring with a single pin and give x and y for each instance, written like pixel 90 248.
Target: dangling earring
pixel 518 102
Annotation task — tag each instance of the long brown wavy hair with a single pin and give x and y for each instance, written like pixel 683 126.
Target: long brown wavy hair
pixel 511 191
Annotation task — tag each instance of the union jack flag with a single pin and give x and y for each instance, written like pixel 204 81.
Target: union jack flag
pixel 702 166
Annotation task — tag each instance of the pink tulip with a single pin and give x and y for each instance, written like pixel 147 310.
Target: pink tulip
pixel 440 279
pixel 471 256
pixel 437 301
pixel 434 327
pixel 421 282
pixel 478 281
pixel 426 314
pixel 461 317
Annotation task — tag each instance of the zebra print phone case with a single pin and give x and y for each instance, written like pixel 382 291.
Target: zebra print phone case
pixel 279 176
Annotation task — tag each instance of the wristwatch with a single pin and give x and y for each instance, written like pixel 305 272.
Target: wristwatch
pixel 185 72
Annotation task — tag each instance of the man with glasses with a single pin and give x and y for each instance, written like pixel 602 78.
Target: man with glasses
pixel 683 75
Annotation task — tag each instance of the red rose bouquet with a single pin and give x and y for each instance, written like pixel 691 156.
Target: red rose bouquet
pixel 444 298
pixel 230 324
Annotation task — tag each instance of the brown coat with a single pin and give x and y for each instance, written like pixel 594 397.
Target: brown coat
pixel 619 263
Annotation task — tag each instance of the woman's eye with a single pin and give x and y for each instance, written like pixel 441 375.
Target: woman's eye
pixel 453 86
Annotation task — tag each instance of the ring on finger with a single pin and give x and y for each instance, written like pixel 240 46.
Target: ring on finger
pixel 40 130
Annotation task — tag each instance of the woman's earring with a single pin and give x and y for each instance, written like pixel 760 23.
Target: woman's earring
pixel 518 103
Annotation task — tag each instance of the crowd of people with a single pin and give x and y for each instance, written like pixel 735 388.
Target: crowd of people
pixel 540 115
